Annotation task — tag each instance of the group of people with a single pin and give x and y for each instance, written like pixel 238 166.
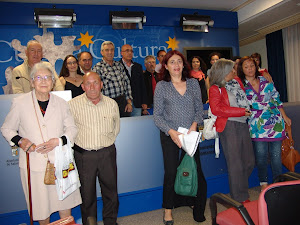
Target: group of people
pixel 248 109
pixel 250 122
pixel 124 80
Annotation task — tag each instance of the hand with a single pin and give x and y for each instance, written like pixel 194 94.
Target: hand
pixel 145 112
pixel 247 112
pixel 268 77
pixel 26 144
pixel 48 146
pixel 128 108
pixel 174 136
pixel 193 127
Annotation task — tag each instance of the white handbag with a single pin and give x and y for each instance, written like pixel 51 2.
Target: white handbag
pixel 210 132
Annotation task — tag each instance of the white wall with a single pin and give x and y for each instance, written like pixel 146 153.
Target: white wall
pixel 259 47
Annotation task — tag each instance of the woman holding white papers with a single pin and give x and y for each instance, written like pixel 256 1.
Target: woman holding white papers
pixel 177 103
pixel 229 103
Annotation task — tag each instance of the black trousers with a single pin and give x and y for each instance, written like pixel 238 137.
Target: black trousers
pixel 101 164
pixel 172 157
pixel 121 101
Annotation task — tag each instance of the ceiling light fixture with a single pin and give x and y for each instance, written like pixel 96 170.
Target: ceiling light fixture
pixel 127 20
pixel 54 18
pixel 195 22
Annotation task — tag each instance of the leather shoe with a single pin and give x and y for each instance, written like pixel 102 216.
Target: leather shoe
pixel 168 222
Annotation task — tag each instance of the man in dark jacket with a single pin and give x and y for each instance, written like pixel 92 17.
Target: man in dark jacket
pixel 134 72
pixel 150 78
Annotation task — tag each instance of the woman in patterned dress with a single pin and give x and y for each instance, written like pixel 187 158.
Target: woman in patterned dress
pixel 266 123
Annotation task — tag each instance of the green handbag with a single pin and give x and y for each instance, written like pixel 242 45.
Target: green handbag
pixel 186 182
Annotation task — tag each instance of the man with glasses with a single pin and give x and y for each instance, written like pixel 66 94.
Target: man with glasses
pixel 116 83
pixel 150 78
pixel 160 56
pixel 85 61
pixel 21 74
pixel 134 71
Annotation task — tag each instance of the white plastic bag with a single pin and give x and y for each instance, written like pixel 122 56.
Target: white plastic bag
pixel 67 178
pixel 210 132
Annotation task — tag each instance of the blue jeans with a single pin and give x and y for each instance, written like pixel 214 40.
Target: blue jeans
pixel 262 149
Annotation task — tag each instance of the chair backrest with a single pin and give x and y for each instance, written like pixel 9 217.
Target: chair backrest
pixel 279 204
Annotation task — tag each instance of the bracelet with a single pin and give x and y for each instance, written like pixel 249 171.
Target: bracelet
pixel 29 147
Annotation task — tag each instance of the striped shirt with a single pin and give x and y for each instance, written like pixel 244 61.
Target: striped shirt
pixel 98 125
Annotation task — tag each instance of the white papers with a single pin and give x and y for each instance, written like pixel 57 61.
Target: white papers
pixel 189 142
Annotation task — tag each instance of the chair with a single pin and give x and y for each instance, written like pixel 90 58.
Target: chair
pixel 278 204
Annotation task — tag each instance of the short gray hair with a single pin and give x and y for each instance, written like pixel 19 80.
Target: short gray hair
pixel 149 57
pixel 107 43
pixel 33 42
pixel 219 71
pixel 42 65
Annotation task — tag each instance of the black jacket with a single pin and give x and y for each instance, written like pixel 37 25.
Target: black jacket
pixel 137 84
pixel 148 83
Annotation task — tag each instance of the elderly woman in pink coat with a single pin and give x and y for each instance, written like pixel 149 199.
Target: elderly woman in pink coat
pixel 35 123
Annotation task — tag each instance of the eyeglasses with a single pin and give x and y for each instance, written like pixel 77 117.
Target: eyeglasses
pixel 128 51
pixel 87 60
pixel 72 63
pixel 151 62
pixel 39 78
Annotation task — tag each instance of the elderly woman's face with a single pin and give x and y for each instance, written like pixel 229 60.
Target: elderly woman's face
pixel 42 81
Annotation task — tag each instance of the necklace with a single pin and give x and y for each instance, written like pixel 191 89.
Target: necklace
pixel 74 78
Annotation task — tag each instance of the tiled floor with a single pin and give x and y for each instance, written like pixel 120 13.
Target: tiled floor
pixel 182 215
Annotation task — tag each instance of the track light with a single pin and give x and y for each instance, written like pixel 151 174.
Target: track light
pixel 127 20
pixel 195 22
pixel 54 18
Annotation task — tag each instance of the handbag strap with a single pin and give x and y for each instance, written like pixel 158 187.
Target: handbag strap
pixel 37 117
pixel 288 130
pixel 46 156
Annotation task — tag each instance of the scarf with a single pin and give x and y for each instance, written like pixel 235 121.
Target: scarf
pixel 235 88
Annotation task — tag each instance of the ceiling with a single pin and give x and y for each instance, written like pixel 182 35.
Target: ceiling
pixel 256 18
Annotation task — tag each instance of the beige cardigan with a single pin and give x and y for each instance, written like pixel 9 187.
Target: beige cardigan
pixel 21 120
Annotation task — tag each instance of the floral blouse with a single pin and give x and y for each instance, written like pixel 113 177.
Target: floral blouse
pixel 266 122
